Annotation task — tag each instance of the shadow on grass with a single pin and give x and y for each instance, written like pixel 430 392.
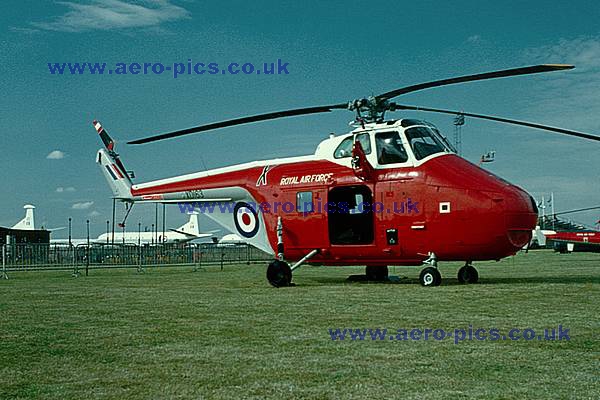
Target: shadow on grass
pixel 540 279
pixel 334 281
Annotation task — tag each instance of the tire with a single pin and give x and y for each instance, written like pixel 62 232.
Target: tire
pixel 468 274
pixel 430 277
pixel 279 274
pixel 376 272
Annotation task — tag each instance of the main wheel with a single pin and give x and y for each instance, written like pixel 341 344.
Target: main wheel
pixel 430 277
pixel 279 273
pixel 468 274
pixel 376 272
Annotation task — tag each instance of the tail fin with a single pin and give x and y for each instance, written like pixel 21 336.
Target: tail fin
pixel 191 227
pixel 27 223
pixel 112 167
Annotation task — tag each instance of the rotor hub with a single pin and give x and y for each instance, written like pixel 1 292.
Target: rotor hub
pixel 371 109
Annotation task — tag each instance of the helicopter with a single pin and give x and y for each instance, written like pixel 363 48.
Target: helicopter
pixel 389 192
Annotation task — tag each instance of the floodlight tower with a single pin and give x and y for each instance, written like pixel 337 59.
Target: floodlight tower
pixel 459 121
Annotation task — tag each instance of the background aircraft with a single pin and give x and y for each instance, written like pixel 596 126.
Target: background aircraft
pixel 185 233
pixel 566 236
pixel 27 223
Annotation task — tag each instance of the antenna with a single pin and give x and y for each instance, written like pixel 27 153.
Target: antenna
pixel 459 121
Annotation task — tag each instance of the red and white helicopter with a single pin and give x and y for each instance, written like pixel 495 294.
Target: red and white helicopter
pixel 390 192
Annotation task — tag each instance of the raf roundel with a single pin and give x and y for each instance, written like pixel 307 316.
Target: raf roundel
pixel 245 219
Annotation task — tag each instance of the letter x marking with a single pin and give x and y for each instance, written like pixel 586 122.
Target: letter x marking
pixel 262 179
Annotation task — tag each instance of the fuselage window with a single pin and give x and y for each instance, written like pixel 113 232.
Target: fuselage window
pixel 345 148
pixel 304 202
pixel 365 142
pixel 389 148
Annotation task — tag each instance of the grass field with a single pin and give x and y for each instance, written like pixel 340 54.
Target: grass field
pixel 171 333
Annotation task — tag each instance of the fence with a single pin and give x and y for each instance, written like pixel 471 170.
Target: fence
pixel 30 257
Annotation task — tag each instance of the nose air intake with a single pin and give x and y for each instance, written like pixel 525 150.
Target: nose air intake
pixel 520 218
pixel 534 205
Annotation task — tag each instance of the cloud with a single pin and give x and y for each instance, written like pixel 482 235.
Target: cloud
pixel 55 155
pixel 82 206
pixel 570 99
pixel 572 96
pixel 94 214
pixel 114 14
pixel 474 39
pixel 69 189
pixel 23 30
pixel 582 51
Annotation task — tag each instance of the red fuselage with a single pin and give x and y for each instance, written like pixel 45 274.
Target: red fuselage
pixel 459 211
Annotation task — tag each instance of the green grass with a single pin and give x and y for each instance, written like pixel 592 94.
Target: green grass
pixel 171 333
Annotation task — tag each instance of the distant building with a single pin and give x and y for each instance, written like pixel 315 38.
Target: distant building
pixel 19 236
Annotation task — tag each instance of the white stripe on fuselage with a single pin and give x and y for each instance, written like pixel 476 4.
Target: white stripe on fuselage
pixel 223 170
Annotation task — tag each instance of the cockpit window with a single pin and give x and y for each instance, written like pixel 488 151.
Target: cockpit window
pixel 345 148
pixel 424 141
pixel 389 148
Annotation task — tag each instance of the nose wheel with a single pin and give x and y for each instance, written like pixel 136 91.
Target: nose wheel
pixel 430 275
pixel 468 274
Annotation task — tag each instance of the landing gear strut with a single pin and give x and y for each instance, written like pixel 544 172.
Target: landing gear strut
pixel 279 273
pixel 468 274
pixel 430 276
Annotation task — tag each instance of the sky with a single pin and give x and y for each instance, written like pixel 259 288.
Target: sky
pixel 336 50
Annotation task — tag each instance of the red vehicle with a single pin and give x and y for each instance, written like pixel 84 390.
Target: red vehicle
pixel 566 242
pixel 390 192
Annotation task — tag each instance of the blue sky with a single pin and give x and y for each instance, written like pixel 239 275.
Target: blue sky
pixel 336 51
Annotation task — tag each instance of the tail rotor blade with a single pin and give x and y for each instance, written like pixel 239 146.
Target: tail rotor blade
pixel 106 139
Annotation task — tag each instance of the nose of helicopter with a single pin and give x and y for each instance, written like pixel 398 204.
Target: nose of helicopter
pixel 501 216
pixel 520 216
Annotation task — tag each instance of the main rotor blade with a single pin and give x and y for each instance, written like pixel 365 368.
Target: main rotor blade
pixel 500 119
pixel 243 120
pixel 576 211
pixel 535 69
pixel 385 96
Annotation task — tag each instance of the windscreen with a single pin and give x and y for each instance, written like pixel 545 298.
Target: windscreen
pixel 425 141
